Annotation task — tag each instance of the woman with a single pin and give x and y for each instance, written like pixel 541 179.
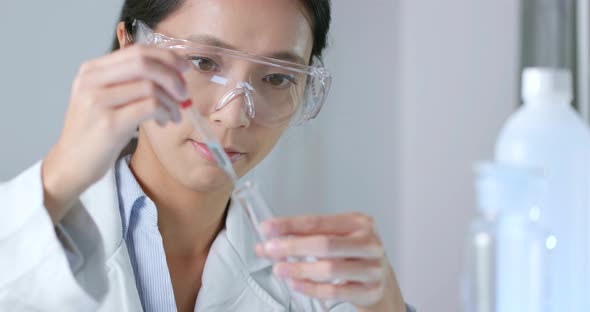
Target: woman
pixel 152 229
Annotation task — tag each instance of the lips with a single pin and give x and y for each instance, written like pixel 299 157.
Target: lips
pixel 233 155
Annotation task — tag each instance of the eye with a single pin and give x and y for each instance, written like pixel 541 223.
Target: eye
pixel 279 80
pixel 204 64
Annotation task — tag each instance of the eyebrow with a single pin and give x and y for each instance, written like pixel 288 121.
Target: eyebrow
pixel 213 41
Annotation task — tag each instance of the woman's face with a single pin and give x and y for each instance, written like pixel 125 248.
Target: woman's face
pixel 262 27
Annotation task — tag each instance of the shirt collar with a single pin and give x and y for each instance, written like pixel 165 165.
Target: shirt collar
pixel 131 195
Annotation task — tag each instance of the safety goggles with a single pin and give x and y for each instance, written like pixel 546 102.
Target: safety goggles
pixel 272 91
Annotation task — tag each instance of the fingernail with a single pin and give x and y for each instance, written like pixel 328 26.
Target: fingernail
pixel 182 90
pixel 281 270
pixel 177 117
pixel 272 247
pixel 164 123
pixel 268 229
pixel 186 104
pixel 259 250
pixel 297 285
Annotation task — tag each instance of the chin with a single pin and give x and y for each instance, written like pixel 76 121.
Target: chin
pixel 207 179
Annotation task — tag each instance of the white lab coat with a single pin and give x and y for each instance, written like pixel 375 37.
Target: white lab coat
pixel 83 264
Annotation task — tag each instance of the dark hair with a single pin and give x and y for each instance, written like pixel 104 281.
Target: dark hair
pixel 153 12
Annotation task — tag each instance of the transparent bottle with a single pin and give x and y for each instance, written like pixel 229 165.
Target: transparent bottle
pixel 505 247
pixel 546 132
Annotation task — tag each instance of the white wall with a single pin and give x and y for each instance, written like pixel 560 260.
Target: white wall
pixel 458 80
pixel 43 44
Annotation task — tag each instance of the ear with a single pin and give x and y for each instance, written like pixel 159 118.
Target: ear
pixel 122 35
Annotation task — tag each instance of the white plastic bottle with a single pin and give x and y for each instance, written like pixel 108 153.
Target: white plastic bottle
pixel 546 132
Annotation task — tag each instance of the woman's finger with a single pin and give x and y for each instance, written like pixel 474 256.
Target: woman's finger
pixel 365 271
pixel 130 92
pixel 141 67
pixel 167 57
pixel 165 77
pixel 342 224
pixel 142 110
pixel 322 246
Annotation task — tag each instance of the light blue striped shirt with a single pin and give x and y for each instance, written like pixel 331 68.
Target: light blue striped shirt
pixel 140 231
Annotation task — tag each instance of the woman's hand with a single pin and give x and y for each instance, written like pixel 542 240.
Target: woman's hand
pixel 111 96
pixel 348 250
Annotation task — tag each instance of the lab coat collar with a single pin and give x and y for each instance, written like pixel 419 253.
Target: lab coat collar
pixel 102 204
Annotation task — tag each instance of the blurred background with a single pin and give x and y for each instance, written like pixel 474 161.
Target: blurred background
pixel 421 90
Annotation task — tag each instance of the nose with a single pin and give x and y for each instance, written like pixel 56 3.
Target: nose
pixel 235 109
